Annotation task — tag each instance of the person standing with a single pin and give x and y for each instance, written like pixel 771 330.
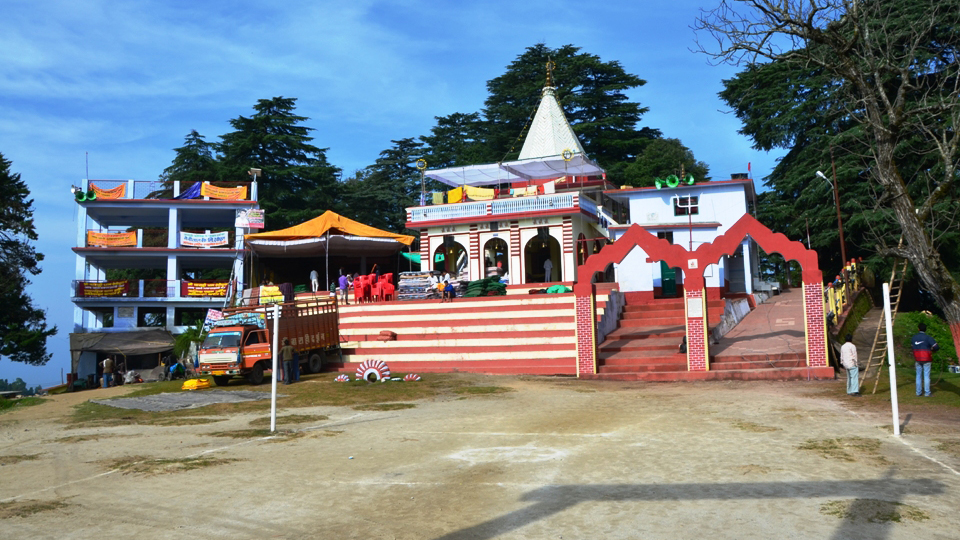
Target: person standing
pixel 923 348
pixel 344 284
pixel 286 354
pixel 848 358
pixel 314 280
pixel 547 271
pixel 108 372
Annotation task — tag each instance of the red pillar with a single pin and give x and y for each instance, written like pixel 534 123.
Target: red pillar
pixel 696 330
pixel 586 334
pixel 815 324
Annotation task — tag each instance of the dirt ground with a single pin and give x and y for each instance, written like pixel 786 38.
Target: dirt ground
pixel 553 458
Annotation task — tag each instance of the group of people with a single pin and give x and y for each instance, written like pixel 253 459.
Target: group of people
pixel 442 284
pixel 923 346
pixel 115 373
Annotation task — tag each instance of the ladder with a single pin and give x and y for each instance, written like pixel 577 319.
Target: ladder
pixel 878 353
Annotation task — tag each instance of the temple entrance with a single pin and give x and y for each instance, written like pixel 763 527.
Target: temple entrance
pixel 495 257
pixel 450 257
pixel 542 255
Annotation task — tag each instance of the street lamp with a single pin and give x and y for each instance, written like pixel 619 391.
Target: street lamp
pixel 836 200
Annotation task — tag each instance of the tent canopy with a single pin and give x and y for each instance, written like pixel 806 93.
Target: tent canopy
pixel 516 171
pixel 125 343
pixel 346 237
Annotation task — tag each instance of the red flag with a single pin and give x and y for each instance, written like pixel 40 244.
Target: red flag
pixel 748 166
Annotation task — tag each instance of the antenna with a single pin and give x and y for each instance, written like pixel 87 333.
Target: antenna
pixel 87 156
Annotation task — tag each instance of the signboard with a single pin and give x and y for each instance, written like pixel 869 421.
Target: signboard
pixel 102 288
pixel 234 194
pixel 251 218
pixel 256 319
pixel 213 315
pixel 204 240
pixel 118 192
pixel 211 288
pixel 101 239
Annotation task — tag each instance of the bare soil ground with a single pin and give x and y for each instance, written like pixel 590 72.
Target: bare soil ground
pixel 551 458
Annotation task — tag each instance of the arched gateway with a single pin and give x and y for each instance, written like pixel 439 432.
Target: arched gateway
pixel 693 264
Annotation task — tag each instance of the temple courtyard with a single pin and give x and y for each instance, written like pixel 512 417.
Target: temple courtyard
pixel 488 457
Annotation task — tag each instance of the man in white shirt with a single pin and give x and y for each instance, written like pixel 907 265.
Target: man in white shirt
pixel 314 280
pixel 848 358
pixel 547 271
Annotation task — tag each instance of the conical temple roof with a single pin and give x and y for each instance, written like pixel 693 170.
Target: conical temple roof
pixel 550 133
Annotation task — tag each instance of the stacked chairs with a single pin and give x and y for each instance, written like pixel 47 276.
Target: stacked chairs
pixel 362 291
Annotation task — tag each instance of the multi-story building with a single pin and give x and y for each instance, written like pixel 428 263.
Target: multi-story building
pixel 152 257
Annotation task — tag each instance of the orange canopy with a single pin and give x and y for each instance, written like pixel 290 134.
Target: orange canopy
pixel 329 221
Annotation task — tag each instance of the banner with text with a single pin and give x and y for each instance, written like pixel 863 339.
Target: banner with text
pixel 252 218
pixel 204 240
pixel 101 239
pixel 118 192
pixel 102 288
pixel 200 288
pixel 213 315
pixel 238 193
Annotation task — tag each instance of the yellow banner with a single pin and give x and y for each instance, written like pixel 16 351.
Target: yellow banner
pixel 214 192
pixel 118 192
pixel 99 239
pixel 480 194
pixel 193 288
pixel 102 288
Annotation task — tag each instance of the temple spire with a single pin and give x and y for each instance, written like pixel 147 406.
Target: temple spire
pixel 551 65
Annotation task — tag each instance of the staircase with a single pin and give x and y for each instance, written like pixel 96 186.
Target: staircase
pixel 513 334
pixel 646 344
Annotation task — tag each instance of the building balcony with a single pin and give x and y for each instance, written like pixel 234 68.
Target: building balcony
pixel 120 190
pixel 482 210
pixel 148 290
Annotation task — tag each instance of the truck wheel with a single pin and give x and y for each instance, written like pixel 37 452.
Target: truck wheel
pixel 316 363
pixel 255 376
pixel 221 380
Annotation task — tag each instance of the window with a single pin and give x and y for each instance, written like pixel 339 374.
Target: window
pixel 666 235
pixel 684 206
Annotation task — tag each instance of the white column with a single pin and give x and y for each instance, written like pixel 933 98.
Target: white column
pixel 173 228
pixel 747 266
pixel 173 274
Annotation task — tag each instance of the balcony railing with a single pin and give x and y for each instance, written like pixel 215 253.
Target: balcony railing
pixel 497 207
pixel 150 289
pixel 159 238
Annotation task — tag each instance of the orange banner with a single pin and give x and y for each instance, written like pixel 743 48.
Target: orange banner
pixel 193 288
pixel 102 288
pixel 99 239
pixel 214 192
pixel 118 192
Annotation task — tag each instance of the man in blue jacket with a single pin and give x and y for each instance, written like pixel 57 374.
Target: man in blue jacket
pixel 923 348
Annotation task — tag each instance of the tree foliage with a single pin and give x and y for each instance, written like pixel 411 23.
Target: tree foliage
pixel 661 158
pixel 195 161
pixel 23 327
pixel 297 182
pixel 379 194
pixel 876 79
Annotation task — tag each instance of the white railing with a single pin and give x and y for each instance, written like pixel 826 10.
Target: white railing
pixel 532 204
pixel 448 211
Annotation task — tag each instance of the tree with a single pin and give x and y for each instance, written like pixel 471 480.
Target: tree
pixel 296 182
pixel 23 327
pixel 380 194
pixel 591 93
pixel 893 65
pixel 457 140
pixel 194 161
pixel 659 159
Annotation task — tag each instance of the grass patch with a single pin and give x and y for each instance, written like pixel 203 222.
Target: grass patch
pixel 9 405
pixel 949 447
pixel 28 508
pixel 278 436
pixel 12 460
pixel 290 419
pixel 147 466
pixel 845 448
pixel 313 390
pixel 85 438
pixel 384 406
pixel 481 390
pixel 873 511
pixel 754 428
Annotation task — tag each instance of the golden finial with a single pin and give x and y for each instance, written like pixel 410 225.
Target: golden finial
pixel 551 65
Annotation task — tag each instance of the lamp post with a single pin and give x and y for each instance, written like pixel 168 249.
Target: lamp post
pixel 836 200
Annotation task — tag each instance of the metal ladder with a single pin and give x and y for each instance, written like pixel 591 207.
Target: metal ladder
pixel 878 353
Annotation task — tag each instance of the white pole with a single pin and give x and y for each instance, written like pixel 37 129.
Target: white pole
pixel 892 367
pixel 273 377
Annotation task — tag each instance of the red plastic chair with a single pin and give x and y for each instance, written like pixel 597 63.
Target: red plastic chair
pixel 387 292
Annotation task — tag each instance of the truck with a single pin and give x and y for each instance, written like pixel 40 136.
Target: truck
pixel 239 344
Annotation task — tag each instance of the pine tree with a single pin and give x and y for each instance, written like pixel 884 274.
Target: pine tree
pixel 23 327
pixel 380 194
pixel 296 182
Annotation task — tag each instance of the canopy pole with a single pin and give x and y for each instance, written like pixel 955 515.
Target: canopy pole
pixel 326 253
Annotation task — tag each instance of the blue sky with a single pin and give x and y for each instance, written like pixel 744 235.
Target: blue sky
pixel 126 81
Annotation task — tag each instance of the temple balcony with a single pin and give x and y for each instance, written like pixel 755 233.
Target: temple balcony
pixel 515 206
